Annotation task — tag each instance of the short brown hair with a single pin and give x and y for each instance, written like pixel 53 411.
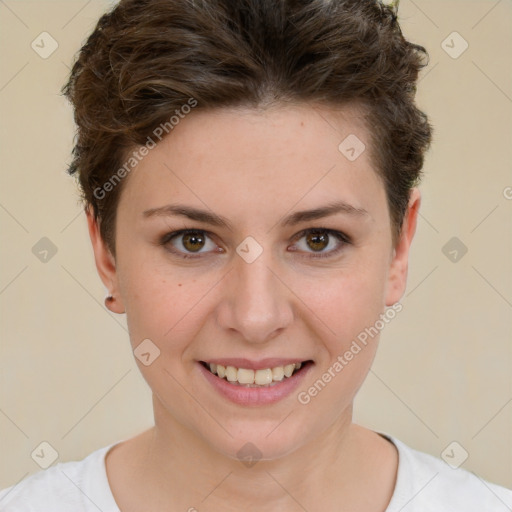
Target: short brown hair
pixel 145 59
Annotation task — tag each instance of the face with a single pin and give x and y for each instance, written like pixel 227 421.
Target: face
pixel 254 284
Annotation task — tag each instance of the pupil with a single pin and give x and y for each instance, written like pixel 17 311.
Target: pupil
pixel 321 239
pixel 194 239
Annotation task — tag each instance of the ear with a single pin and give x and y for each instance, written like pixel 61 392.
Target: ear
pixel 105 263
pixel 397 276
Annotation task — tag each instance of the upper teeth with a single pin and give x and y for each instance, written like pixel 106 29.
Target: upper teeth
pixel 259 377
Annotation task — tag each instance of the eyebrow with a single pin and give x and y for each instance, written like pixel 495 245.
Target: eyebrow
pixel 209 217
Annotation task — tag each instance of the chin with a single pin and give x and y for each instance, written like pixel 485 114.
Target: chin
pixel 260 441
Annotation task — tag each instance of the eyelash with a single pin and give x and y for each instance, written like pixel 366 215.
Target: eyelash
pixel 341 237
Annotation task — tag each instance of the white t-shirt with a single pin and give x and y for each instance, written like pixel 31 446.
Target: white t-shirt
pixel 424 484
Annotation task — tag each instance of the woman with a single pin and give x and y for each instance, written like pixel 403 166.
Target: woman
pixel 249 172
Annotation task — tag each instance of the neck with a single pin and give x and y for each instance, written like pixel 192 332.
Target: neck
pixel 191 473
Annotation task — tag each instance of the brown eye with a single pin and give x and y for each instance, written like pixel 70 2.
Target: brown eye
pixel 187 242
pixel 317 241
pixel 193 241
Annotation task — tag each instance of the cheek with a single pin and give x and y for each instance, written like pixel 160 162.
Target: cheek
pixel 351 307
pixel 163 304
pixel 166 302
pixel 345 302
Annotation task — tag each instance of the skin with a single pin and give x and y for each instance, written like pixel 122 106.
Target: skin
pixel 254 168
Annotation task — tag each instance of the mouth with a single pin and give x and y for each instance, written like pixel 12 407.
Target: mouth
pixel 256 377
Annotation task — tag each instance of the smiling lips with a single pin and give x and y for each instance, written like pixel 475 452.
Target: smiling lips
pixel 253 377
pixel 255 383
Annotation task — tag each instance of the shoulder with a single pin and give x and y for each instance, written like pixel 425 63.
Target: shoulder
pixel 79 486
pixel 428 484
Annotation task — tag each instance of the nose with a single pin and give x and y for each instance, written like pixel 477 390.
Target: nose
pixel 255 302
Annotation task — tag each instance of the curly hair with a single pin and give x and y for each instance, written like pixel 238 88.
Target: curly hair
pixel 146 59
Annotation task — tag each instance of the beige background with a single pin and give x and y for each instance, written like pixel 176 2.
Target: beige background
pixel 444 370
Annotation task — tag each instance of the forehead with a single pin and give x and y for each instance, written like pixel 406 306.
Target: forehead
pixel 244 157
pixel 272 133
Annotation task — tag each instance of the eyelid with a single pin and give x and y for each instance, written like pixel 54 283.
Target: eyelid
pixel 166 239
pixel 342 238
pixel 329 231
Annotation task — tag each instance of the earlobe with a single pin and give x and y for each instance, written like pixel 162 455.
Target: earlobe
pixel 105 264
pixel 397 277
